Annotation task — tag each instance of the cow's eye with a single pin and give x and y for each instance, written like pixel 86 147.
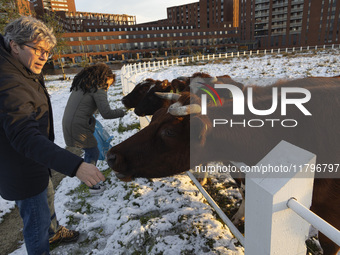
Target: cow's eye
pixel 169 132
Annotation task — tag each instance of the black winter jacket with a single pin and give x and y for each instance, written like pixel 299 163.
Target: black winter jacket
pixel 27 151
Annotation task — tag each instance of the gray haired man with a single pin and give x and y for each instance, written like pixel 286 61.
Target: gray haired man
pixel 27 150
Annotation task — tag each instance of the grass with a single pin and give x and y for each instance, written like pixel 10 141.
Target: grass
pixel 122 128
pixel 210 243
pixel 145 218
pixel 82 189
pixel 227 203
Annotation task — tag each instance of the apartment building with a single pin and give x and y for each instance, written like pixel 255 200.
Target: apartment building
pixel 206 14
pixel 93 22
pixel 53 5
pixel 289 23
pixel 205 26
pixel 148 41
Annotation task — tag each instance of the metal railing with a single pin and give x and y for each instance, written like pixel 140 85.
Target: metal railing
pixel 320 224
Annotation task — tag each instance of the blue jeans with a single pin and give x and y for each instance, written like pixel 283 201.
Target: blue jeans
pixel 91 155
pixel 35 214
pixel 50 199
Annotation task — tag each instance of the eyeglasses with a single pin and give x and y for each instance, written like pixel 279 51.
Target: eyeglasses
pixel 40 52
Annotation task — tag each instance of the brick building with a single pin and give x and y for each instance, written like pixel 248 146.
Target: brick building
pixel 93 22
pixel 204 26
pixel 289 23
pixel 40 6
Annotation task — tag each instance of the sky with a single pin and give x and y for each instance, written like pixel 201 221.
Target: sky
pixel 165 215
pixel 144 10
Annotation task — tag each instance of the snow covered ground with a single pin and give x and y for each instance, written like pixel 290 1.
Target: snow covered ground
pixel 166 215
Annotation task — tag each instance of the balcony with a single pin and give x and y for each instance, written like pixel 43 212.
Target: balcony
pixel 295 25
pixel 296 9
pixel 295 17
pixel 261 14
pixel 280 11
pixel 285 4
pixel 294 2
pixel 283 25
pixel 261 21
pixel 261 7
pixel 281 32
pixel 276 19
pixel 257 29
pixel 297 31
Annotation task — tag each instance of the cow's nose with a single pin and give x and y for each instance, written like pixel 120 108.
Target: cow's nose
pixel 111 159
pixel 139 112
pixel 124 101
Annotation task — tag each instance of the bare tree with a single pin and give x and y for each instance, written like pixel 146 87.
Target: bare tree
pixel 52 20
pixel 9 11
pixel 85 60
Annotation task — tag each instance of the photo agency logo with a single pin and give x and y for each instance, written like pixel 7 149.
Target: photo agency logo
pixel 280 97
pixel 204 97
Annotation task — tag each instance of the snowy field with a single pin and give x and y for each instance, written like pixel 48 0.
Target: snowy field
pixel 166 215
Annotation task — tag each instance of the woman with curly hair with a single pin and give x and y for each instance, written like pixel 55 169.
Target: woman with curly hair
pixel 88 94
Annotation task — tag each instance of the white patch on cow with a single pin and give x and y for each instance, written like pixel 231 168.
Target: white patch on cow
pixel 195 84
pixel 151 87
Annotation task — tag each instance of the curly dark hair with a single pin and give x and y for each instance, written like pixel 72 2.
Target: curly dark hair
pixel 91 78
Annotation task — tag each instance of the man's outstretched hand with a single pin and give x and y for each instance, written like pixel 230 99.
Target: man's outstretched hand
pixel 89 174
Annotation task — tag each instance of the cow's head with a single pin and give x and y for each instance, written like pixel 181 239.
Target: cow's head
pixel 132 99
pixel 181 84
pixel 163 147
pixel 150 103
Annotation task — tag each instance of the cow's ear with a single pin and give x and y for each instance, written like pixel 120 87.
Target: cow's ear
pixel 199 128
pixel 165 84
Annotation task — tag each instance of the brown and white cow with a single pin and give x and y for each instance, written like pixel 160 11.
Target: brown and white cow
pixel 132 99
pixel 174 143
pixel 150 102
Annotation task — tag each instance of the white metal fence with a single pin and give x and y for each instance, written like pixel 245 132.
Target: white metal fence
pixel 277 218
pixel 128 72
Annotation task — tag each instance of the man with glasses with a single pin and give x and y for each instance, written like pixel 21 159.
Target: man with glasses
pixel 39 51
pixel 27 151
